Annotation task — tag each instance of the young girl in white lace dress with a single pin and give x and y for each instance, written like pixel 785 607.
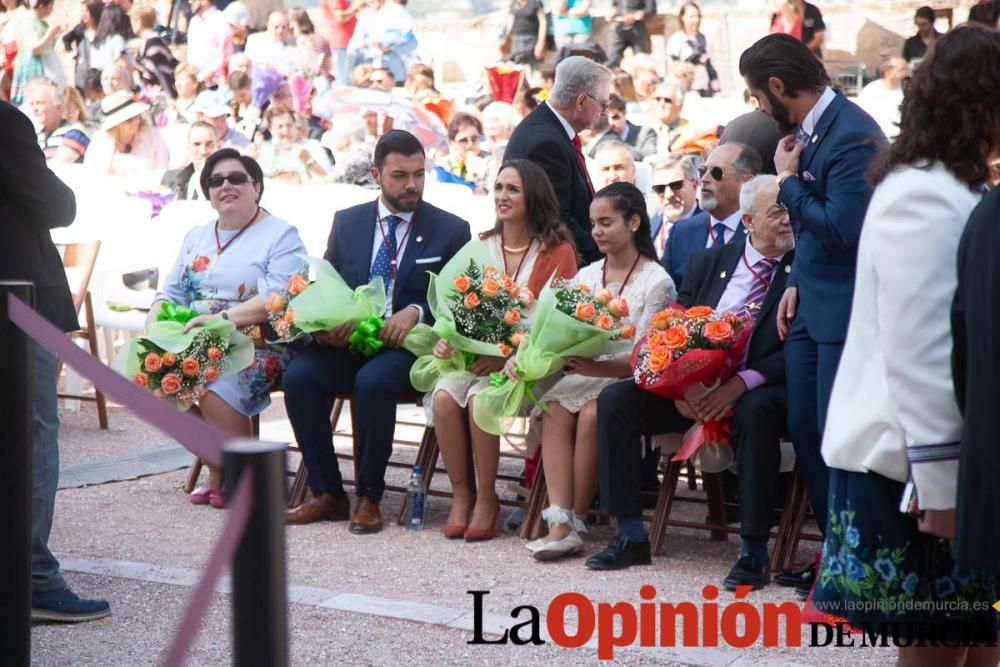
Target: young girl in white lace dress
pixel 568 433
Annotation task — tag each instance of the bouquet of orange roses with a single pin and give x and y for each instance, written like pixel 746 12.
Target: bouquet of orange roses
pixel 687 353
pixel 476 308
pixel 568 322
pixel 179 366
pixel 280 315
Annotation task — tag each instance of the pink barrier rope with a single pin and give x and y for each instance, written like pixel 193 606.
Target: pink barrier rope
pixel 201 438
pixel 239 512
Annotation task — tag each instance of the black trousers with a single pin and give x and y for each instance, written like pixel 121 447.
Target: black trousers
pixel 623 37
pixel 377 384
pixel 625 413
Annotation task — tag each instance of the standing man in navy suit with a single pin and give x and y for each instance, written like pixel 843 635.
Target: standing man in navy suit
pixel 821 168
pixel 401 238
pixel 549 137
pixel 725 171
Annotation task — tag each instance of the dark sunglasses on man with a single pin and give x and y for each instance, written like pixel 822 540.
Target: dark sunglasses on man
pixel 716 172
pixel 675 186
pixel 236 178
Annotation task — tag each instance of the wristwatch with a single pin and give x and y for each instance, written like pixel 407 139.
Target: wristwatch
pixel 783 176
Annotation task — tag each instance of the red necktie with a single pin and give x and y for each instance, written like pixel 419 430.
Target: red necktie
pixel 578 145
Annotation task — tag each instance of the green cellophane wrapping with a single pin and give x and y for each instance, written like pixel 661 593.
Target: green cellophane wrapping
pixel 428 369
pixel 553 338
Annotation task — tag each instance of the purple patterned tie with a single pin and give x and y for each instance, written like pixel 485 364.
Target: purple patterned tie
pixel 755 297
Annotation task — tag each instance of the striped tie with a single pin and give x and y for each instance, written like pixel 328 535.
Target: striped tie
pixel 755 297
pixel 801 136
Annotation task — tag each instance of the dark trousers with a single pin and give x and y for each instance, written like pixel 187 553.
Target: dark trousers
pixel 377 383
pixel 625 412
pixel 623 37
pixel 810 368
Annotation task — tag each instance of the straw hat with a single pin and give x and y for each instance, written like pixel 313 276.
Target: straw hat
pixel 119 107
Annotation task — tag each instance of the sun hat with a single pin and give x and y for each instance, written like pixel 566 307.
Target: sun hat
pixel 236 13
pixel 212 103
pixel 119 107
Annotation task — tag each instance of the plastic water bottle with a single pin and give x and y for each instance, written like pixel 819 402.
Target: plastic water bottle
pixel 416 493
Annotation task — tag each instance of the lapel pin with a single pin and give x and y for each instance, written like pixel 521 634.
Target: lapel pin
pixel 420 239
pixel 815 138
pixel 722 275
pixel 788 268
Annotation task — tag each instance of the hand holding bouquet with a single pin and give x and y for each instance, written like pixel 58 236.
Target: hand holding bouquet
pixel 687 353
pixel 280 315
pixel 567 322
pixel 179 366
pixel 476 308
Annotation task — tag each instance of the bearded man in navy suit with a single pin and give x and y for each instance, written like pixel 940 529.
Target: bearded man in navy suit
pixel 400 238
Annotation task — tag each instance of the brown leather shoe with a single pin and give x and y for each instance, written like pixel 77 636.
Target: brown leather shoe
pixel 324 507
pixel 367 517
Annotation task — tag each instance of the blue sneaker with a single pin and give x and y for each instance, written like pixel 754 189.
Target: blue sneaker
pixel 65 606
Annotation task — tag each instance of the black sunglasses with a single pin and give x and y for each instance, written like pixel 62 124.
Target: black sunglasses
pixel 664 99
pixel 236 178
pixel 673 185
pixel 716 172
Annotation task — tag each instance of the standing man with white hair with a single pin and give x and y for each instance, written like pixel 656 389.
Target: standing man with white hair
pixel 549 137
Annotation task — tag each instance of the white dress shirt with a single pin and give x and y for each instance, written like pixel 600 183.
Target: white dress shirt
pixel 207 35
pixel 812 118
pixel 731 223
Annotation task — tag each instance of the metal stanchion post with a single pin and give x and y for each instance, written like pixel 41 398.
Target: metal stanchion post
pixel 15 481
pixel 260 595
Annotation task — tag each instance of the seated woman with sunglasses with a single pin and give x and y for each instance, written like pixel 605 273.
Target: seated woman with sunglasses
pixel 531 245
pixel 226 269
pixel 568 431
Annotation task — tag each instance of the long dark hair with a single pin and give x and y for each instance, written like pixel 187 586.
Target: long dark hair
pixel 626 199
pixel 949 113
pixel 541 205
pixel 114 21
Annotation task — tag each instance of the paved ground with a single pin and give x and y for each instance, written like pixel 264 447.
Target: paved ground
pixel 398 596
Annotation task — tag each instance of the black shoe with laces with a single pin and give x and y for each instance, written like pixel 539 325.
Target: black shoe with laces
pixel 620 554
pixel 748 571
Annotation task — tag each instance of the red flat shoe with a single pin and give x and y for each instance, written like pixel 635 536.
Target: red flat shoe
pixel 483 534
pixel 218 499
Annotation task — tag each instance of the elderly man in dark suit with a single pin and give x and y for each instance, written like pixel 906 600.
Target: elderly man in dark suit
pixel 748 274
pixel 33 201
pixel 821 168
pixel 401 238
pixel 549 137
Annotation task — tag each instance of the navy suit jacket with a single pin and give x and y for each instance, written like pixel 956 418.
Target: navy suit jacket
pixel 657 220
pixel 827 202
pixel 435 237
pixel 687 237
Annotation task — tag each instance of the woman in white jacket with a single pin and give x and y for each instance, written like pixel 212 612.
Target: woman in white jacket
pixel 893 416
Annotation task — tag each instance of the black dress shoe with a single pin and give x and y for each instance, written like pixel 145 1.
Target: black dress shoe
pixel 748 571
pixel 799 578
pixel 621 553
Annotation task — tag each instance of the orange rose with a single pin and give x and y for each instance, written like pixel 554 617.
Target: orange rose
pixel 618 307
pixel 275 303
pixel 504 349
pixel 296 284
pixel 510 285
pixel 169 359
pixel 583 288
pixel 211 374
pixel 517 338
pixel 214 354
pixel 663 319
pixel 471 300
pixel 141 379
pixel 700 311
pixel 657 339
pixel 462 284
pixel 289 315
pixel 490 271
pixel 719 331
pixel 604 297
pixel 627 332
pixel 190 367
pixel 659 359
pixel 200 263
pixel 170 384
pixel 491 287
pixel 512 317
pixel 153 362
pixel 603 322
pixel 676 337
pixel 585 311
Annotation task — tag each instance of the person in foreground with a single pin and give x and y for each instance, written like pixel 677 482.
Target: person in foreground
pixel 400 238
pixel 226 269
pixel 531 246
pixel 746 275
pixel 893 415
pixel 821 165
pixel 33 201
pixel 620 227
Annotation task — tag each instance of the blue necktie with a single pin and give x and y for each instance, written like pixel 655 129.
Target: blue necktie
pixel 801 136
pixel 383 260
pixel 719 233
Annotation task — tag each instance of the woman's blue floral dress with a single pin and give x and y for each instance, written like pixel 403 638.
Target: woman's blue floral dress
pixel 260 261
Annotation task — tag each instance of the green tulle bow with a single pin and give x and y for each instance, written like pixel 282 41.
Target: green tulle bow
pixel 499 380
pixel 172 312
pixel 364 339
